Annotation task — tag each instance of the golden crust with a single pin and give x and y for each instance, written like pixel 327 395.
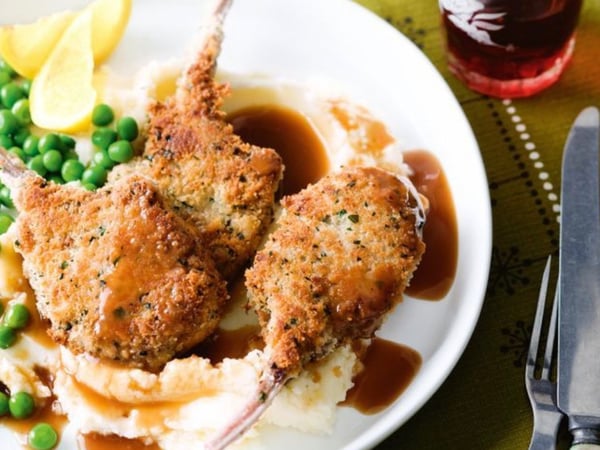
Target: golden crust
pixel 208 174
pixel 118 275
pixel 342 254
pixel 222 185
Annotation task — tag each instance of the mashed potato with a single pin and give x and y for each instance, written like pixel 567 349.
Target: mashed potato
pixel 190 398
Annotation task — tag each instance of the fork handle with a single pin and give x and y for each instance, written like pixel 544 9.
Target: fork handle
pixel 546 422
pixel 585 447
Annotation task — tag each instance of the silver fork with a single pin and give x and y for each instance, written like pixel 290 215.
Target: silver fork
pixel 542 390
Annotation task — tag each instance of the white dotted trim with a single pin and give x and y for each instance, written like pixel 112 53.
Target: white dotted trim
pixel 534 155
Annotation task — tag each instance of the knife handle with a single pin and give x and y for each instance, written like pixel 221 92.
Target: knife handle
pixel 585 432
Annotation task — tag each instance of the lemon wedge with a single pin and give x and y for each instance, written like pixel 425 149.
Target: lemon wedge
pixel 110 18
pixel 26 47
pixel 62 94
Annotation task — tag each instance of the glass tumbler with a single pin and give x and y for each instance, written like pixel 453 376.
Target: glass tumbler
pixel 509 48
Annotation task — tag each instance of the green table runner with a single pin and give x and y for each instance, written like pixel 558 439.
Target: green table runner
pixel 483 404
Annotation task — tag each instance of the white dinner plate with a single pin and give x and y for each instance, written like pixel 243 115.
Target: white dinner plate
pixel 342 43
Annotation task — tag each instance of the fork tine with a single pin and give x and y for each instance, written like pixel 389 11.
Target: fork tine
pixel 537 323
pixel 551 339
pixel 542 390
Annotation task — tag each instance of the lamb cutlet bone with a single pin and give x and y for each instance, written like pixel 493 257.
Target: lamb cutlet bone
pixel 208 175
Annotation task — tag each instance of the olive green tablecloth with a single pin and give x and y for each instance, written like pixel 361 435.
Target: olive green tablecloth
pixel 483 404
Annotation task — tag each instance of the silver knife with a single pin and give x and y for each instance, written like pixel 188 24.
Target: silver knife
pixel 579 302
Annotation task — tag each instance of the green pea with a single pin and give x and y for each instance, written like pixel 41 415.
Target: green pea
pixel 103 137
pixel 89 186
pixel 26 86
pixel 71 154
pixel 120 151
pixel 42 437
pixel 7 337
pixel 3 404
pixel 5 77
pixel 20 135
pixel 95 175
pixel 6 221
pixel 68 143
pixel 30 146
pixel 5 198
pixel 10 93
pixel 37 165
pixel 72 170
pixel 21 111
pixel 52 160
pixel 8 122
pixel 5 67
pixel 127 128
pixel 49 141
pixel 102 115
pixel 6 141
pixel 101 158
pixel 16 316
pixel 56 178
pixel 18 151
pixel 21 405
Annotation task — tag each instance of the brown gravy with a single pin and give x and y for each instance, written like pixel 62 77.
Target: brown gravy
pixel 437 269
pixel 95 441
pixel 294 138
pixel 366 135
pixel 230 344
pixel 388 370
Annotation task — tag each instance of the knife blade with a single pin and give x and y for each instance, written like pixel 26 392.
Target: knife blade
pixel 578 381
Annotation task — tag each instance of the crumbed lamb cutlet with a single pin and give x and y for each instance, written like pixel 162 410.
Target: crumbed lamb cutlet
pixel 342 253
pixel 118 275
pixel 225 186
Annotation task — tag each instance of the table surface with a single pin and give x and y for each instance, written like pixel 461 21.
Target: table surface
pixel 483 403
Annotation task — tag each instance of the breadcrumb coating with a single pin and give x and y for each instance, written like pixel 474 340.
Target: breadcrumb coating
pixel 118 275
pixel 343 252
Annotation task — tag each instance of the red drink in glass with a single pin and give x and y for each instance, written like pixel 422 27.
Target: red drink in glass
pixel 509 48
